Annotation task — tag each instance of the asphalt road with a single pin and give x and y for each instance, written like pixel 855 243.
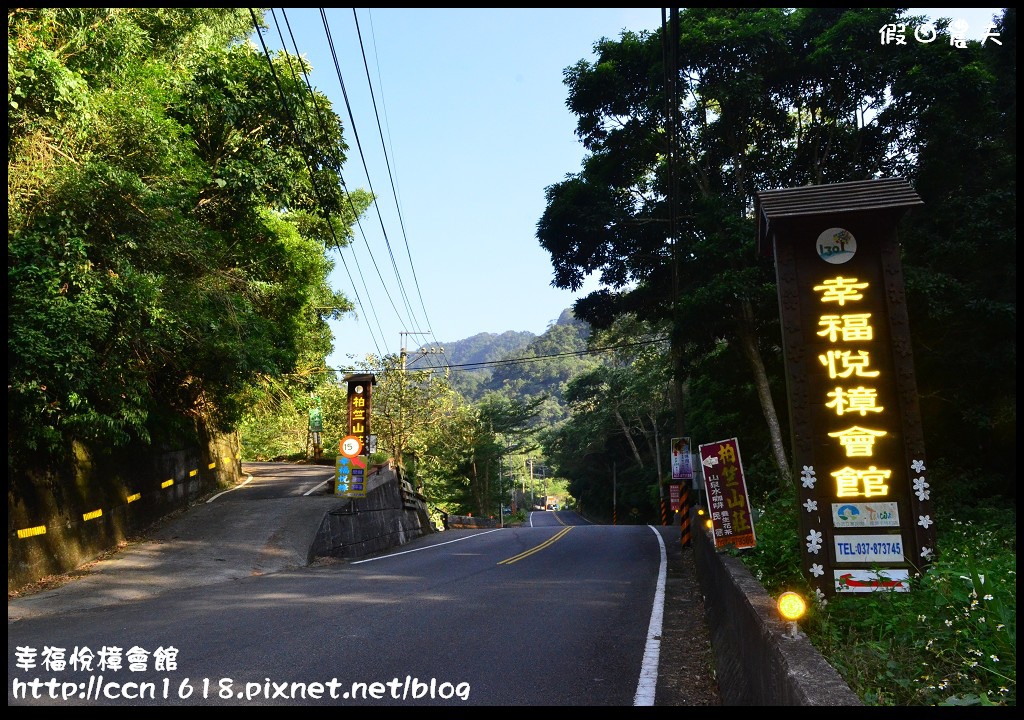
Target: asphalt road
pixel 554 612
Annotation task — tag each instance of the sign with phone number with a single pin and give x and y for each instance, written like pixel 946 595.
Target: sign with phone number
pixel 868 548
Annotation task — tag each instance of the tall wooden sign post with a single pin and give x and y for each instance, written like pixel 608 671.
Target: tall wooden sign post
pixel 866 512
pixel 353 458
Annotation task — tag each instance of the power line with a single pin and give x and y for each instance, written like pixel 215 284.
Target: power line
pixel 306 154
pixel 362 156
pixel 341 179
pixel 535 358
pixel 394 192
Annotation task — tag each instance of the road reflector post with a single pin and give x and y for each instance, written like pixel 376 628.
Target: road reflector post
pixel 684 516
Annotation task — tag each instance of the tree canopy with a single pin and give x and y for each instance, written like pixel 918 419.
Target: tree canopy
pixel 172 196
pixel 683 126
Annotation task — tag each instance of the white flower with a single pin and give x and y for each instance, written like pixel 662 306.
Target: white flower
pixel 918 465
pixel 811 505
pixel 819 594
pixel 949 623
pixel 921 488
pixel 814 542
pixel 924 521
pixel 988 597
pixel 807 476
pixel 927 552
pixel 994 658
pixel 817 570
pixel 922 618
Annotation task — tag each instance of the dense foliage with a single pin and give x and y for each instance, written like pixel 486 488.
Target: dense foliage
pixel 172 194
pixel 951 640
pixel 662 209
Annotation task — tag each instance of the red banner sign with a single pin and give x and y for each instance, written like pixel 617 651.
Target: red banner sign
pixel 728 503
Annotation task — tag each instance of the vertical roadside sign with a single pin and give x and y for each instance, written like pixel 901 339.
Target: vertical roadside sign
pixel 682 463
pixel 360 403
pixel 732 520
pixel 866 511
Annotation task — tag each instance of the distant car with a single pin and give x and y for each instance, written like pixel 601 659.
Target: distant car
pixel 552 506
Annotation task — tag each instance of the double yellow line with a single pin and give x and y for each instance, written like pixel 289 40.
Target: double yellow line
pixel 527 553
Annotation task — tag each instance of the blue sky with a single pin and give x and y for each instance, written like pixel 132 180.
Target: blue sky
pixel 465 127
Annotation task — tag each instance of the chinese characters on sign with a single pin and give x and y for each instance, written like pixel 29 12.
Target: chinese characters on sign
pixel 731 518
pixel 682 463
pixel 673 497
pixel 350 469
pixel 857 424
pixel 865 514
pixel 359 405
pixel 350 477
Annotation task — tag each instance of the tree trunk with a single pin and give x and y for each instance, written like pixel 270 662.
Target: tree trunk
pixel 629 437
pixel 474 483
pixel 748 343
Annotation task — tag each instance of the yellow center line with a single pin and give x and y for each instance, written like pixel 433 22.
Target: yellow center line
pixel 526 553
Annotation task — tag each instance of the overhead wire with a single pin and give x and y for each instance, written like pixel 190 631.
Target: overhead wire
pixel 299 140
pixel 394 191
pixel 348 196
pixel 359 146
pixel 536 358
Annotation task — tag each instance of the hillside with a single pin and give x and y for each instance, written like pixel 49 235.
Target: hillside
pixel 520 364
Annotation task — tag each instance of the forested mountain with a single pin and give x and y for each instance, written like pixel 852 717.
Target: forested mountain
pixel 483 347
pixel 518 365
pixel 471 358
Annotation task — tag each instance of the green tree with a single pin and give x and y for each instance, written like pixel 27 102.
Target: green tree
pixel 409 407
pixel 171 199
pixel 953 125
pixel 681 132
pixel 620 419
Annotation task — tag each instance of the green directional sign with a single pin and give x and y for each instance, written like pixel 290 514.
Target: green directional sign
pixel 316 420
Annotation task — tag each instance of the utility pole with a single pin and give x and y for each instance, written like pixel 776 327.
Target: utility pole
pixel 544 477
pixel 405 353
pixel 661 480
pixel 533 500
pixel 615 496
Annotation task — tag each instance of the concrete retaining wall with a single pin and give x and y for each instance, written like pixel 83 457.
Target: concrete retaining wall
pixel 757 660
pixel 59 519
pixel 391 514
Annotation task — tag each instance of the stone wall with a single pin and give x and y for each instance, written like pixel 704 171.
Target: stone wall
pixel 390 515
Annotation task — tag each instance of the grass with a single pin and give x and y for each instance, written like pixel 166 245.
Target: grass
pixel 951 640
